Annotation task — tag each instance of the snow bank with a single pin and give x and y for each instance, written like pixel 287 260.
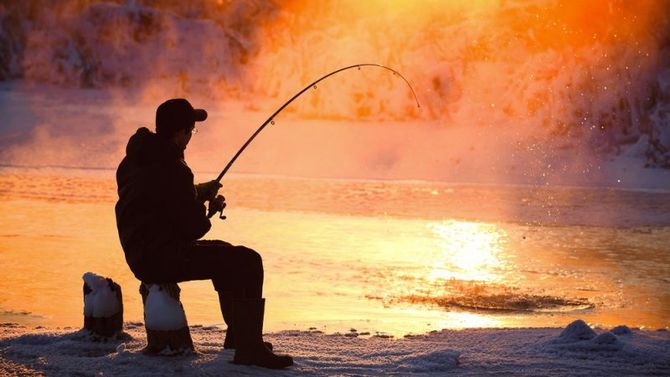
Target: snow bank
pixel 101 43
pixel 448 352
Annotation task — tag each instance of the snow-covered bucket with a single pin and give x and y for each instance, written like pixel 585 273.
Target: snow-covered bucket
pixel 103 305
pixel 165 320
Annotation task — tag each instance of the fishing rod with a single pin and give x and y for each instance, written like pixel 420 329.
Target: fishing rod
pixel 270 120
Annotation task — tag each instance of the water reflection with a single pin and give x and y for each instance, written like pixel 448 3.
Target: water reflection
pixel 344 267
pixel 467 251
pixel 468 320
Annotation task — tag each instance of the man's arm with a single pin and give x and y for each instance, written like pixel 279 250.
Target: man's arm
pixel 189 213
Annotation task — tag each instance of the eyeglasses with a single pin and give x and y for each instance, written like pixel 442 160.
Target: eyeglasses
pixel 194 131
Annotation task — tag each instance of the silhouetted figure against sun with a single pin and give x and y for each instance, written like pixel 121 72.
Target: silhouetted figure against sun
pixel 161 217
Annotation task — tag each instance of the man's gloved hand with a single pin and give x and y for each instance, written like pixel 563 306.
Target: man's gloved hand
pixel 207 191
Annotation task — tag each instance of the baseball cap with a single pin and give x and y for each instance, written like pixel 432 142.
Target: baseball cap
pixel 177 114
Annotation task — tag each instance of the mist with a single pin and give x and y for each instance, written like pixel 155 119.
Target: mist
pixel 511 91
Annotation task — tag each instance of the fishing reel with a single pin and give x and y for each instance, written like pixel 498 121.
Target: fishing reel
pixel 211 210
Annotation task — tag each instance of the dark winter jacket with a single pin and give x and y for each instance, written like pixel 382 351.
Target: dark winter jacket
pixel 157 212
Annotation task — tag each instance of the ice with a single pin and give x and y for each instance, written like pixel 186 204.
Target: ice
pixel 101 301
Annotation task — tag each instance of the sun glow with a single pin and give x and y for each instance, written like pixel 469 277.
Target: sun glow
pixel 468 251
pixel 468 320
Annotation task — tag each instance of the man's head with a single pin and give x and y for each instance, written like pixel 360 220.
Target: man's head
pixel 175 120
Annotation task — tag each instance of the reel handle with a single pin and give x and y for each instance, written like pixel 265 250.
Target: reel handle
pixel 211 213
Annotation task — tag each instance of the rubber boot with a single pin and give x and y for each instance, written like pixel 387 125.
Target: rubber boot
pixel 250 350
pixel 226 303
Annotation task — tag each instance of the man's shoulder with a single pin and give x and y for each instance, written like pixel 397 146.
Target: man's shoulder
pixel 185 170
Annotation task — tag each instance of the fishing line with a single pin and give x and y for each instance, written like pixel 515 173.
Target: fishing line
pixel 270 120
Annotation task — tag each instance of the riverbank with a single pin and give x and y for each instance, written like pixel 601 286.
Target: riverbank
pixel 574 350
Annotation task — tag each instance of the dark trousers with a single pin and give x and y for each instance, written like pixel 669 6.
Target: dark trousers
pixel 235 271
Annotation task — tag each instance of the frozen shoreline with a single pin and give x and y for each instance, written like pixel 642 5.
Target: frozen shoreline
pixel 574 350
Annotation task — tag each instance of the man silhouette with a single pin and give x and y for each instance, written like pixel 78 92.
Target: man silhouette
pixel 161 217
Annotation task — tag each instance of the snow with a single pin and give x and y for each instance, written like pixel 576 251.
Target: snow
pixel 470 352
pixel 162 312
pixel 620 330
pixel 101 301
pixel 577 330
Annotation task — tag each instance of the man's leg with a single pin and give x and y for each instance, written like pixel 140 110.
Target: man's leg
pixel 234 269
pixel 236 272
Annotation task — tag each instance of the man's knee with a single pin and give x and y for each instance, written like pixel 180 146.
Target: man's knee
pixel 253 258
pixel 242 265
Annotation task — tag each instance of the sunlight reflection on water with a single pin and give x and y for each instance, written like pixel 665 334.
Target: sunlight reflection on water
pixel 467 251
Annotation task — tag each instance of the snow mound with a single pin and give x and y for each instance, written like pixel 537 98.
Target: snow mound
pixel 605 338
pixel 437 361
pixel 579 337
pixel 101 301
pixel 621 330
pixel 162 312
pixel 577 330
pixel 580 342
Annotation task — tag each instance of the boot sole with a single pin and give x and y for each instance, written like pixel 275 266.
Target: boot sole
pixel 251 361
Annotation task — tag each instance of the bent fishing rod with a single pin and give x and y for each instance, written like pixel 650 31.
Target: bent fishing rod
pixel 270 120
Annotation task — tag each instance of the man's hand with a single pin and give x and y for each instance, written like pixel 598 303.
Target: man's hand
pixel 216 205
pixel 207 191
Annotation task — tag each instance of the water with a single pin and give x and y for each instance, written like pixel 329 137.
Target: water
pixel 379 256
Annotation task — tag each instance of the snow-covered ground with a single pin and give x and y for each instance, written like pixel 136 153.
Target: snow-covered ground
pixel 576 350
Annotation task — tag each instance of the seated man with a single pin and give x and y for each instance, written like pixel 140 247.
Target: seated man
pixel 161 216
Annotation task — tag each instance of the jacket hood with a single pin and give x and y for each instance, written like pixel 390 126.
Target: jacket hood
pixel 146 147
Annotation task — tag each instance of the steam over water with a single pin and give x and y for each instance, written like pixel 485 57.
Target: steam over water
pixel 525 80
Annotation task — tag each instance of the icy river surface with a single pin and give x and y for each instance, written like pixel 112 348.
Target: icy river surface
pixel 394 257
